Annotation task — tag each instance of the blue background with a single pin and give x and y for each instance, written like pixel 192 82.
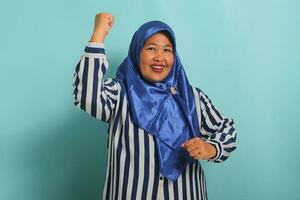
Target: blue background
pixel 243 54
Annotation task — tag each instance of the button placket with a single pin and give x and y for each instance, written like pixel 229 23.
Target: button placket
pixel 160 187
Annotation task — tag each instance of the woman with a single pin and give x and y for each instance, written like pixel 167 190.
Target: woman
pixel 160 126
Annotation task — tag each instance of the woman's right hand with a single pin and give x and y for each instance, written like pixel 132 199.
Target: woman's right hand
pixel 102 25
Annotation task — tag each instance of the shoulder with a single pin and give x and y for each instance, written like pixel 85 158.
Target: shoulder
pixel 197 91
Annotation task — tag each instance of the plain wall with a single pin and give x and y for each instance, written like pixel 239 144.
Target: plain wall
pixel 243 54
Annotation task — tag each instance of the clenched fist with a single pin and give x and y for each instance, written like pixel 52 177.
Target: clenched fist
pixel 199 149
pixel 102 25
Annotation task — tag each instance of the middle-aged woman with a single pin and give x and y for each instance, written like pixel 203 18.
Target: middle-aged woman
pixel 159 125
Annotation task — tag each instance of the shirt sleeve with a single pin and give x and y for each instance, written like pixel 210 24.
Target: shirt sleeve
pixel 93 94
pixel 217 129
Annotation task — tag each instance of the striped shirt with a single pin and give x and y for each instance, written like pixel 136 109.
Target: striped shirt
pixel 132 165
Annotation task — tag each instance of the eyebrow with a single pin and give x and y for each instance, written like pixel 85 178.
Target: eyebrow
pixel 152 43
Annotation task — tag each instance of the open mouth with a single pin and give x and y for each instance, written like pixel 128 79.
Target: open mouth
pixel 157 68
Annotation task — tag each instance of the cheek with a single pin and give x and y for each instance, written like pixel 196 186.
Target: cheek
pixel 143 69
pixel 142 60
pixel 170 61
pixel 143 63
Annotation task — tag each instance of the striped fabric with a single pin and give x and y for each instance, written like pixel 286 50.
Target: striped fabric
pixel 132 167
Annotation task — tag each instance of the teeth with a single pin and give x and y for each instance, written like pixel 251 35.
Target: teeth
pixel 157 67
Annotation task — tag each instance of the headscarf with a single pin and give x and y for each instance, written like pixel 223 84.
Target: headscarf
pixel 170 118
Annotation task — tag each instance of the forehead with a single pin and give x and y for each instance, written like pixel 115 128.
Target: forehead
pixel 158 38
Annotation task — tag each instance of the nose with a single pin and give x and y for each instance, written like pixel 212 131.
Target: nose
pixel 158 56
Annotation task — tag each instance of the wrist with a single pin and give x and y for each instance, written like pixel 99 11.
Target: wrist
pixel 97 37
pixel 213 151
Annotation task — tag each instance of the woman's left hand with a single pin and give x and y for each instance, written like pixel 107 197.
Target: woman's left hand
pixel 199 149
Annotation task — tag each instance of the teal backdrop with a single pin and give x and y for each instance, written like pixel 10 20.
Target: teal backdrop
pixel 243 54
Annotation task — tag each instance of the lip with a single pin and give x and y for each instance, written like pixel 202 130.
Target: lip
pixel 157 68
pixel 158 65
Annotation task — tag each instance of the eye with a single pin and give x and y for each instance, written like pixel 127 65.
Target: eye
pixel 168 50
pixel 151 48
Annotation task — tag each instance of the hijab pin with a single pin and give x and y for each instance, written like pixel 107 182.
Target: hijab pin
pixel 173 90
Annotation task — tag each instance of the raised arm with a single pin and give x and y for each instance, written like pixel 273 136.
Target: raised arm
pixel 91 93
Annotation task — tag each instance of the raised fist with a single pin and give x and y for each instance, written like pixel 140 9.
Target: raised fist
pixel 102 25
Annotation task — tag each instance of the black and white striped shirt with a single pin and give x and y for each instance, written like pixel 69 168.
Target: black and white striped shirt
pixel 132 167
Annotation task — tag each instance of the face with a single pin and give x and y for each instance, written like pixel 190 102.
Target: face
pixel 156 58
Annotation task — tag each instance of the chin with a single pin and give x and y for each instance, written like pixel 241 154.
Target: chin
pixel 153 80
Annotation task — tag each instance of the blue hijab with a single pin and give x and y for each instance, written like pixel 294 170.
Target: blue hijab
pixel 171 118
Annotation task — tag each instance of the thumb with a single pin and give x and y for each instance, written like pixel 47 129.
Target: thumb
pixel 183 145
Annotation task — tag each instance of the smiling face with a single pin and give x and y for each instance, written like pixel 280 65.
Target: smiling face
pixel 157 58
